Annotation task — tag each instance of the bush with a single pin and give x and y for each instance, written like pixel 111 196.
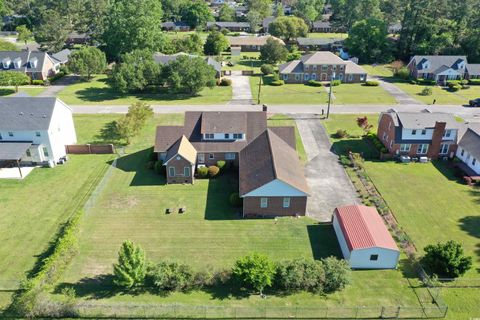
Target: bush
pixel 314 83
pixel 213 171
pixel 131 267
pixel 427 91
pixel 372 83
pixel 403 73
pixel 172 277
pixel 337 274
pixel 275 76
pixel 277 83
pixel 465 86
pixel 345 161
pixel 38 82
pixel 455 88
pixel 474 82
pixel 159 168
pixel 56 76
pixel 446 259
pixel 255 271
pixel 202 172
pixel 426 82
pixel 224 82
pixel 335 83
pixel 235 200
pixel 300 275
pixel 267 69
pixel 341 133
pixel 221 164
pixel 224 31
pixel 413 81
pixel 451 83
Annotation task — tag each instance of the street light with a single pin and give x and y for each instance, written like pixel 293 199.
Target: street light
pixel 330 94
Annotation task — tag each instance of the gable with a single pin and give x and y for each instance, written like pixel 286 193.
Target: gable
pixel 276 188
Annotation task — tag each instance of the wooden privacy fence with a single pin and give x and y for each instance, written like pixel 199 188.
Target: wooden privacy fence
pixel 90 149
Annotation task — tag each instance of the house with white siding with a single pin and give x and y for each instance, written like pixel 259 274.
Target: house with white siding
pixel 468 150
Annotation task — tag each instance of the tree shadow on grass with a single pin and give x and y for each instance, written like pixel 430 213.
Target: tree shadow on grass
pixel 323 241
pixel 356 145
pixel 137 162
pixel 108 134
pixel 6 92
pixel 471 224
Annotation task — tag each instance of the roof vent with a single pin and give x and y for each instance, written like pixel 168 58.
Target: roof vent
pixel 44 116
pixel 21 113
pixel 31 114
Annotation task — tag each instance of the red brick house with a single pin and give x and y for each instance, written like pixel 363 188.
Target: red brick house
pixel 271 178
pixel 418 134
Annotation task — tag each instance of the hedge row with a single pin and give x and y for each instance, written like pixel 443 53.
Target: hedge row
pixel 376 142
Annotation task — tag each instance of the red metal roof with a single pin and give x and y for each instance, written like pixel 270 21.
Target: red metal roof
pixel 363 228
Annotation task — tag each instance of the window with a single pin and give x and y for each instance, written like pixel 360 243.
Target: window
pixel 405 147
pixel 414 132
pixel 186 171
pixel 424 132
pixel 201 158
pixel 28 153
pixel 447 133
pixel 341 67
pixel 462 152
pixel 350 77
pixel 362 77
pixel 334 68
pixel 474 161
pixel 384 136
pixel 285 77
pixel 306 68
pixel 324 67
pixel 389 125
pixel 230 156
pixel 211 156
pixel 443 148
pixel 171 172
pixel 314 76
pixel 374 257
pixel 340 76
pixel 297 77
pixel 227 136
pixel 314 68
pixel 263 202
pixel 238 136
pixel 45 151
pixel 1 138
pixel 286 202
pixel 422 149
pixel 209 136
pixel 305 77
pixel 37 134
pixel 10 134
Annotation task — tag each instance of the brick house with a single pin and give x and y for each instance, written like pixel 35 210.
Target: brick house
pixel 321 26
pixel 321 66
pixel 320 44
pixel 271 178
pixel 37 65
pixel 229 25
pixel 251 44
pixel 175 26
pixel 418 134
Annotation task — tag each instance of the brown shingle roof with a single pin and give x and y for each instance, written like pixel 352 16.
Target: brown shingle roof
pixel 224 122
pixel 287 134
pixel 166 136
pixel 184 148
pixel 266 159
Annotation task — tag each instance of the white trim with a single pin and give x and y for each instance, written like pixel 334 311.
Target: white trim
pixel 276 188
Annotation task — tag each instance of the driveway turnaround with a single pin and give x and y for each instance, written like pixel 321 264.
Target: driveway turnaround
pixel 241 93
pixel 330 186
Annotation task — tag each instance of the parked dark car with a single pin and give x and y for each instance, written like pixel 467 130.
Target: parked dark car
pixel 475 103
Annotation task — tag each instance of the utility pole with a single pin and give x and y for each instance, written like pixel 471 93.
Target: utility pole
pixel 330 95
pixel 259 89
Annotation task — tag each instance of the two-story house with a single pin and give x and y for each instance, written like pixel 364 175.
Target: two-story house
pixel 417 134
pixel 469 149
pixel 442 68
pixel 36 64
pixel 35 130
pixel 271 178
pixel 321 66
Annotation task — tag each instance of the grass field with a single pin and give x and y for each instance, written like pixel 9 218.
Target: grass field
pixel 32 91
pixel 246 61
pixel 97 92
pixel 442 96
pixel 378 70
pixel 327 35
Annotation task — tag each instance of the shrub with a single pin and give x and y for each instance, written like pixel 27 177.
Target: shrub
pixel 427 91
pixel 277 83
pixel 235 200
pixel 465 86
pixel 172 277
pixel 224 82
pixel 451 83
pixel 275 76
pixel 57 76
pixel 345 161
pixel 403 73
pixel 221 164
pixel 213 171
pixel 224 31
pixel 38 82
pixel 255 271
pixel 335 83
pixel 455 88
pixel 300 275
pixel 337 274
pixel 446 259
pixel 341 133
pixel 413 81
pixel 267 69
pixel 314 83
pixel 202 172
pixel 372 83
pixel 131 267
pixel 152 156
pixel 474 82
pixel 426 82
pixel 159 167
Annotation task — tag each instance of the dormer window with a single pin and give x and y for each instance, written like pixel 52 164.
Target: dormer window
pixel 33 62
pixel 17 63
pixel 6 63
pixel 306 68
pixel 424 132
pixel 227 136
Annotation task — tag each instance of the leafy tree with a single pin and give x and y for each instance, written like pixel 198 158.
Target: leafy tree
pixel 288 28
pixel 12 78
pixel 52 31
pixel 337 274
pixel 368 40
pixel 300 274
pixel 196 13
pixel 189 75
pixel 133 122
pixel 446 259
pixel 172 277
pixel 87 61
pixel 216 43
pixel 24 34
pixel 135 72
pixel 263 7
pixel 308 10
pixel 363 123
pixel 130 25
pixel 172 9
pixel 267 69
pixel 273 51
pixel 279 10
pixel 226 13
pixel 191 44
pixel 255 270
pixel 131 267
pixel 254 18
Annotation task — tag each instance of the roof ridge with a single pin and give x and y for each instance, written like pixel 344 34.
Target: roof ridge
pixel 364 222
pixel 274 165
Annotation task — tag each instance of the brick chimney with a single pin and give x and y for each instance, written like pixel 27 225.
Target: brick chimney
pixel 437 138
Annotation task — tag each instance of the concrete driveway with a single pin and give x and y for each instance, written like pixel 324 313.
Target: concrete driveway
pixel 241 93
pixel 59 85
pixel 401 96
pixel 329 185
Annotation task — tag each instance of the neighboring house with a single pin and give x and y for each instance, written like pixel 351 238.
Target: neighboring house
pixel 241 11
pixel 271 178
pixel 416 134
pixel 231 26
pixel 364 238
pixel 395 28
pixel 320 44
pixel 175 26
pixel 251 44
pixel 321 66
pixel 77 38
pixel 35 130
pixel 162 59
pixel 61 57
pixel 442 68
pixel 469 149
pixel 266 23
pixel 321 26
pixel 37 65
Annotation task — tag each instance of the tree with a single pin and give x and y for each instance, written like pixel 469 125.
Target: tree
pixel 196 13
pixel 368 40
pixel 131 267
pixel 279 10
pixel 52 31
pixel 255 270
pixel 172 9
pixel 215 44
pixel 288 28
pixel 87 61
pixel 135 72
pixel 226 13
pixel 131 25
pixel 263 7
pixel 133 122
pixel 362 122
pixel 347 12
pixel 300 274
pixel 192 44
pixel 308 10
pixel 337 274
pixel 24 34
pixel 254 18
pixel 189 75
pixel 172 277
pixel 12 78
pixel 446 259
pixel 273 51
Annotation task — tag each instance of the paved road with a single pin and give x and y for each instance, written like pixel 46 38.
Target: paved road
pixel 241 93
pixel 401 96
pixel 329 185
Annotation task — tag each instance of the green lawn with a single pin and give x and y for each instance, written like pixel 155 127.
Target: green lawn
pixel 245 61
pixel 354 93
pixel 378 70
pixel 442 96
pixel 327 35
pixel 97 92
pixel 32 91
